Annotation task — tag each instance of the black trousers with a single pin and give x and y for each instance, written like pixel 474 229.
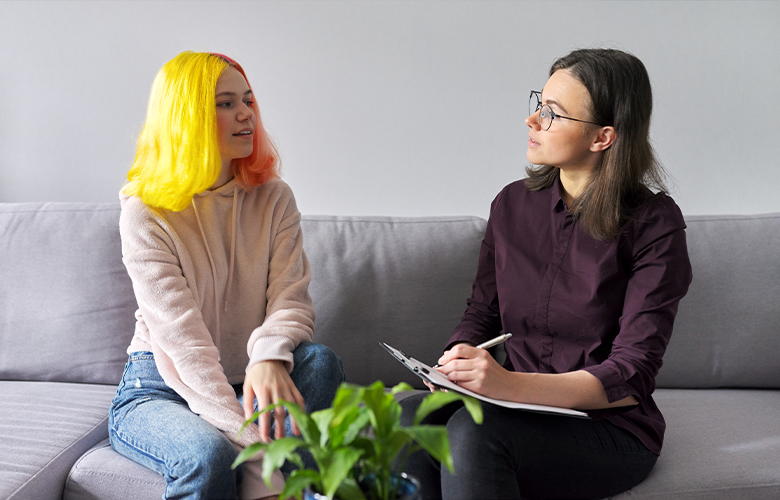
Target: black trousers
pixel 522 455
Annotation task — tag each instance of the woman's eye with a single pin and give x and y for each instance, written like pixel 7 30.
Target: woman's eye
pixel 224 104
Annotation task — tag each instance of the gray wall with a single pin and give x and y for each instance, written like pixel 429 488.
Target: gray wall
pixel 389 108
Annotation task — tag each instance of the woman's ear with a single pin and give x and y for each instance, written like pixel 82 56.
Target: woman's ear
pixel 606 136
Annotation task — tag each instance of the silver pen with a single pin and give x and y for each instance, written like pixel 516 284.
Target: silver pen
pixel 490 343
pixel 495 341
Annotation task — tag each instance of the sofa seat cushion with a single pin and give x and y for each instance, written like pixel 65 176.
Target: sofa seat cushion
pixel 45 428
pixel 103 474
pixel 719 444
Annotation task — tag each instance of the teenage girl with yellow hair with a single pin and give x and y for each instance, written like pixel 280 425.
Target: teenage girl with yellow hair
pixel 211 239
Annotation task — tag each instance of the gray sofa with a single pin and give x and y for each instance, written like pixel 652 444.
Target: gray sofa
pixel 66 317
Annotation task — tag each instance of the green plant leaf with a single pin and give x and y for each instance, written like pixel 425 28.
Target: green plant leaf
pixel 340 464
pixel 307 426
pixel 402 387
pixel 392 447
pixel 360 422
pixel 348 397
pixel 277 452
pixel 433 438
pixel 322 420
pixel 385 412
pixel 298 481
pixel 247 453
pixel 438 399
pixel 350 490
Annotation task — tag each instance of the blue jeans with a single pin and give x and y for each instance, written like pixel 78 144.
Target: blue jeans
pixel 152 425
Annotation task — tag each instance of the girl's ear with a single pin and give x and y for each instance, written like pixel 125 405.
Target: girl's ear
pixel 604 139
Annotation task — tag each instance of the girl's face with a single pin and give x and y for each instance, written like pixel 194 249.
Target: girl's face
pixel 235 118
pixel 567 144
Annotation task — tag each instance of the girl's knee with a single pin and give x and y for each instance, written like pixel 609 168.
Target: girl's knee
pixel 207 472
pixel 320 360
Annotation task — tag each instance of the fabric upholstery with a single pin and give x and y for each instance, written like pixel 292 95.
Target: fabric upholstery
pixel 66 315
pixel 66 302
pixel 103 474
pixel 727 332
pixel 403 281
pixel 44 428
pixel 720 444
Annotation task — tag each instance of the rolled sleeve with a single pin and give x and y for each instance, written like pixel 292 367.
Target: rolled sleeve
pixel 659 279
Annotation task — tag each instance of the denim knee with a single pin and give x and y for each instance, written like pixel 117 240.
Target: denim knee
pixel 211 471
pixel 317 374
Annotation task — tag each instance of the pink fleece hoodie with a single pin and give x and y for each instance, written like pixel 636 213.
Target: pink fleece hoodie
pixel 220 285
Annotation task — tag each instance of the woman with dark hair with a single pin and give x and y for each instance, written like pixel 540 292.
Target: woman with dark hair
pixel 585 265
pixel 211 239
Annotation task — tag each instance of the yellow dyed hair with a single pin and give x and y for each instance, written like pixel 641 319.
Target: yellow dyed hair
pixel 178 153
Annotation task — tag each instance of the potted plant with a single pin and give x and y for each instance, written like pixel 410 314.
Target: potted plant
pixel 355 443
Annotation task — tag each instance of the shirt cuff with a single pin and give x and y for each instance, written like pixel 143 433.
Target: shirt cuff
pixel 614 385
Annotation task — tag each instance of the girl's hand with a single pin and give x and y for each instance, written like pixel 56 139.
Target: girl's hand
pixel 269 382
pixel 476 370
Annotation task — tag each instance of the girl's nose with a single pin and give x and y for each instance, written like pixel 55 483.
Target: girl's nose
pixel 246 113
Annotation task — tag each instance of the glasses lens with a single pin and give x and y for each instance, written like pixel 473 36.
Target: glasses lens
pixel 545 117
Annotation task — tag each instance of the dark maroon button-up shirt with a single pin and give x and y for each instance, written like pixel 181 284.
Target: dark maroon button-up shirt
pixel 573 302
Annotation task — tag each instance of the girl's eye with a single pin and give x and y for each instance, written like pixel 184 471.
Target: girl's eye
pixel 223 104
pixel 249 103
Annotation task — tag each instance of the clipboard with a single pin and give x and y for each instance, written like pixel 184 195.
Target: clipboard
pixel 433 376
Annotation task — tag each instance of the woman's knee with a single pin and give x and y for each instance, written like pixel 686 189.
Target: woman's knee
pixel 466 437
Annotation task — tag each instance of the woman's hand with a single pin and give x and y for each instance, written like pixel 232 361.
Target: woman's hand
pixel 476 370
pixel 269 382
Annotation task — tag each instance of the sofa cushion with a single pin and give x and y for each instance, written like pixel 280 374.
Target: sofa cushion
pixel 727 331
pixel 103 474
pixel 45 428
pixel 66 302
pixel 403 281
pixel 720 444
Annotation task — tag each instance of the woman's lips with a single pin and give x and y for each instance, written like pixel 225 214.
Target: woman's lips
pixel 532 143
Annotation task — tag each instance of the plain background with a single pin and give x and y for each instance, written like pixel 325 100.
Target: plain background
pixel 400 108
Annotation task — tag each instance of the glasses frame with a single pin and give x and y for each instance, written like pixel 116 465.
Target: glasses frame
pixel 553 114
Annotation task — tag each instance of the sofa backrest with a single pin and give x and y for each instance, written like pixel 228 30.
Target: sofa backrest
pixel 67 305
pixel 727 331
pixel 403 281
pixel 66 301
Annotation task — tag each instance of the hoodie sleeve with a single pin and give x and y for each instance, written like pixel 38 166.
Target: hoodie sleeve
pixel 182 345
pixel 289 311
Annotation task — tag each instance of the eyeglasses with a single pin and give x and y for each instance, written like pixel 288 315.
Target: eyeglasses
pixel 546 114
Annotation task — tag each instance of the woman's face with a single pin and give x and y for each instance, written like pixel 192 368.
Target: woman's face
pixel 235 118
pixel 567 144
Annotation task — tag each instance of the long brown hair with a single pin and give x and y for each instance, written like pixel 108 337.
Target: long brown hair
pixel 621 97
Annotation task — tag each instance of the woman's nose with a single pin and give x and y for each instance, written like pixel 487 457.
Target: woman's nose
pixel 533 121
